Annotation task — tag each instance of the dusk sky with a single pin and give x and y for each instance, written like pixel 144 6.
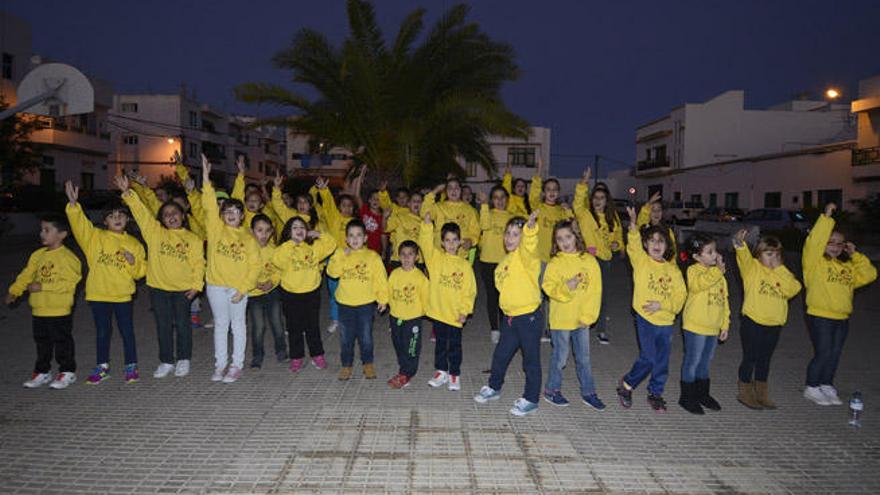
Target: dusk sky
pixel 591 71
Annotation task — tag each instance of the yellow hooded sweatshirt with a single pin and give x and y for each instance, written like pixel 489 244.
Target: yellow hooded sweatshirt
pixel 707 310
pixel 654 280
pixel 453 286
pixel 516 276
pixel 301 264
pixel 233 253
pixel 577 308
pixel 57 271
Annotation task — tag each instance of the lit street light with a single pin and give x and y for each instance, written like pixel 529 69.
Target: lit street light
pixel 832 93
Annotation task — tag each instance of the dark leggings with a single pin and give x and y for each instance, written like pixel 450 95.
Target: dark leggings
pixel 302 312
pixel 758 344
pixel 487 272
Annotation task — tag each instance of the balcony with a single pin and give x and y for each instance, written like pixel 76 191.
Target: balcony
pixel 73 138
pixel 866 163
pixel 656 163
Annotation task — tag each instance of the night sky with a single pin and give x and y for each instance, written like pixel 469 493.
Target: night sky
pixel 591 71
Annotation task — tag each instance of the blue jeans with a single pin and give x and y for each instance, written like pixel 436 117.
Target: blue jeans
pixel 520 333
pixel 447 348
pixel 698 352
pixel 828 337
pixel 356 322
pixel 103 313
pixel 654 344
pixel 172 312
pixel 332 284
pixel 579 343
pixel 265 312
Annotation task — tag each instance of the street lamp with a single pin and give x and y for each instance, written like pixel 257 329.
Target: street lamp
pixel 170 140
pixel 832 93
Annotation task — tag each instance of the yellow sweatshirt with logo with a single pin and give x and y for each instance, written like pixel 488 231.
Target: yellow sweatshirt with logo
pixel 409 293
pixel 403 225
pixel 233 253
pixel 516 276
pixel 268 271
pixel 548 215
pixel 516 205
pixel 598 236
pixel 453 286
pixel 830 282
pixel 456 212
pixel 362 277
pixel 653 280
pixel 766 291
pixel 707 310
pixel 332 218
pixel 57 271
pixel 492 223
pixel 111 278
pixel 577 308
pixel 177 257
pixel 301 264
pixel 238 188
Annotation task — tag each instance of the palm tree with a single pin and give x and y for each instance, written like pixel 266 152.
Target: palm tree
pixel 407 110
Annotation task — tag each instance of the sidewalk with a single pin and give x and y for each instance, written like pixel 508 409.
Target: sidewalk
pixel 274 432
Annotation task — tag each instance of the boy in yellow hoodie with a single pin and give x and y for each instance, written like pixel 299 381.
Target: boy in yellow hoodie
pixel 264 300
pixel 408 288
pixel 116 260
pixel 833 269
pixel 453 290
pixel 403 224
pixel 658 295
pixel 50 278
pixel 363 289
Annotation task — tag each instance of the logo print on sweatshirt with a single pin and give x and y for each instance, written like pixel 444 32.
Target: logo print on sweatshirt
pixel 771 289
pixel 357 272
pixel 47 273
pixel 454 280
pixel 307 262
pixel 234 250
pixel 843 276
pixel 177 251
pixel 660 285
pixel 717 297
pixel 405 294
pixel 114 260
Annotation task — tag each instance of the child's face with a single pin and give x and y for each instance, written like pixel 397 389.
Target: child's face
pixel 453 191
pixel 566 240
pixel 116 221
pixel 512 236
pixel 708 256
pixel 253 202
pixel 162 195
pixel 408 258
pixel 401 198
pixel 50 236
pixel 656 213
pixel 248 190
pixel 467 195
pixel 298 231
pixel 499 200
pixel 263 232
pixel 415 204
pixel 172 218
pixel 303 205
pixel 346 207
pixel 355 237
pixel 374 202
pixel 835 245
pixel 232 216
pixel 600 199
pixel 519 187
pixel 451 242
pixel 770 258
pixel 551 192
pixel 656 247
pixel 288 200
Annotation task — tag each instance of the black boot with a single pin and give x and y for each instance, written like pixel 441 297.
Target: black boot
pixel 688 399
pixel 703 397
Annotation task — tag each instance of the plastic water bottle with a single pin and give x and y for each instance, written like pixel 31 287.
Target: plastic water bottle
pixel 856 406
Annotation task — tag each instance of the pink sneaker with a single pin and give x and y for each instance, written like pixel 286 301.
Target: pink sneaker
pixel 319 362
pixel 295 365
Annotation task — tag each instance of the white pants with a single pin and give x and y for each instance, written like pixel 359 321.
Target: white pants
pixel 225 314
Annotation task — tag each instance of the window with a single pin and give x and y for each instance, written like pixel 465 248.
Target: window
pixel 471 169
pixel 808 199
pixel 830 196
pixel 193 150
pixel 731 200
pixel 521 157
pixel 660 154
pixel 676 196
pixel 696 198
pixel 87 181
pixel 713 200
pixel 193 119
pixel 130 139
pixel 773 200
pixel 129 107
pixel 7 66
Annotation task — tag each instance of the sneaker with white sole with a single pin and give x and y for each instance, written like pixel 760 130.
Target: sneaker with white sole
pixel 63 380
pixel 831 394
pixel 454 383
pixel 815 394
pixel 439 378
pixel 602 337
pixel 37 380
pixel 522 407
pixel 218 375
pixel 496 336
pixel 232 375
pixel 333 326
pixel 182 368
pixel 486 394
pixel 163 370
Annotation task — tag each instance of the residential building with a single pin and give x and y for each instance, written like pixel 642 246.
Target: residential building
pixel 866 156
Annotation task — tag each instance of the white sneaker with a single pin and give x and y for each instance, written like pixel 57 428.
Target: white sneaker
pixel 333 326
pixel 218 374
pixel 440 378
pixel 233 375
pixel 831 394
pixel 523 407
pixel 454 383
pixel 486 394
pixel 182 368
pixel 496 336
pixel 38 380
pixel 163 370
pixel 63 380
pixel 815 394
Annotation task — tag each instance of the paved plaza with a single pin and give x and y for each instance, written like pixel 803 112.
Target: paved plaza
pixel 274 432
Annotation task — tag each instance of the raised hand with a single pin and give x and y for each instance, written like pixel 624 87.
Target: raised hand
pixel 313 234
pixel 189 185
pixel 508 168
pixel 439 188
pixel 631 211
pixel 739 239
pixel 321 183
pixel 829 209
pixel 278 181
pixel 849 248
pixel 654 198
pixel 72 192
pixel 239 162
pixel 533 218
pixel 206 169
pixel 585 178
pixel 121 182
pixel 175 158
pixel 540 166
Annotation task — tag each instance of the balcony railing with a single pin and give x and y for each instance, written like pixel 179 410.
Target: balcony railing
pixel 652 164
pixel 866 156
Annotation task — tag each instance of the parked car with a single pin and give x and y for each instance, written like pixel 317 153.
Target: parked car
pixel 682 212
pixel 777 219
pixel 715 214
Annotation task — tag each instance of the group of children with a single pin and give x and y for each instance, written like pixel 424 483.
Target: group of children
pixel 542 265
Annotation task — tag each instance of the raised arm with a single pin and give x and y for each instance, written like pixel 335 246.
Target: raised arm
pixel 238 185
pixel 209 196
pixel 814 246
pixel 148 224
pixel 744 259
pixel 426 240
pixel 82 228
pixel 581 192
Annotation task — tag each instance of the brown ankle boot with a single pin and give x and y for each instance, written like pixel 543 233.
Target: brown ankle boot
pixel 747 397
pixel 762 395
pixel 369 371
pixel 345 373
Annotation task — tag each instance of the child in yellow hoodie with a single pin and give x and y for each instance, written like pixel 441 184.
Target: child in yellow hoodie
pixel 116 260
pixel 658 295
pixel 233 268
pixel 450 301
pixel 705 322
pixel 573 282
pixel 767 287
pixel 175 276
pixel 408 288
pixel 300 257
pixel 517 190
pixel 492 224
pixel 363 288
pixel 264 300
pixel 336 220
pixel 403 224
pixel 833 269
pixel 50 278
pixel 522 324
pixel 452 210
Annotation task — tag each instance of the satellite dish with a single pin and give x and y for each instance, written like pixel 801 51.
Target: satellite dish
pixel 54 90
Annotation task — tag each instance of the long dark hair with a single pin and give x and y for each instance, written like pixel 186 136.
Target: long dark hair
pixel 695 245
pixel 610 210
pixel 578 239
pixel 285 232
pixel 648 232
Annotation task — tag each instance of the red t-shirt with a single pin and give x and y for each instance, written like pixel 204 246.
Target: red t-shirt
pixel 373 222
